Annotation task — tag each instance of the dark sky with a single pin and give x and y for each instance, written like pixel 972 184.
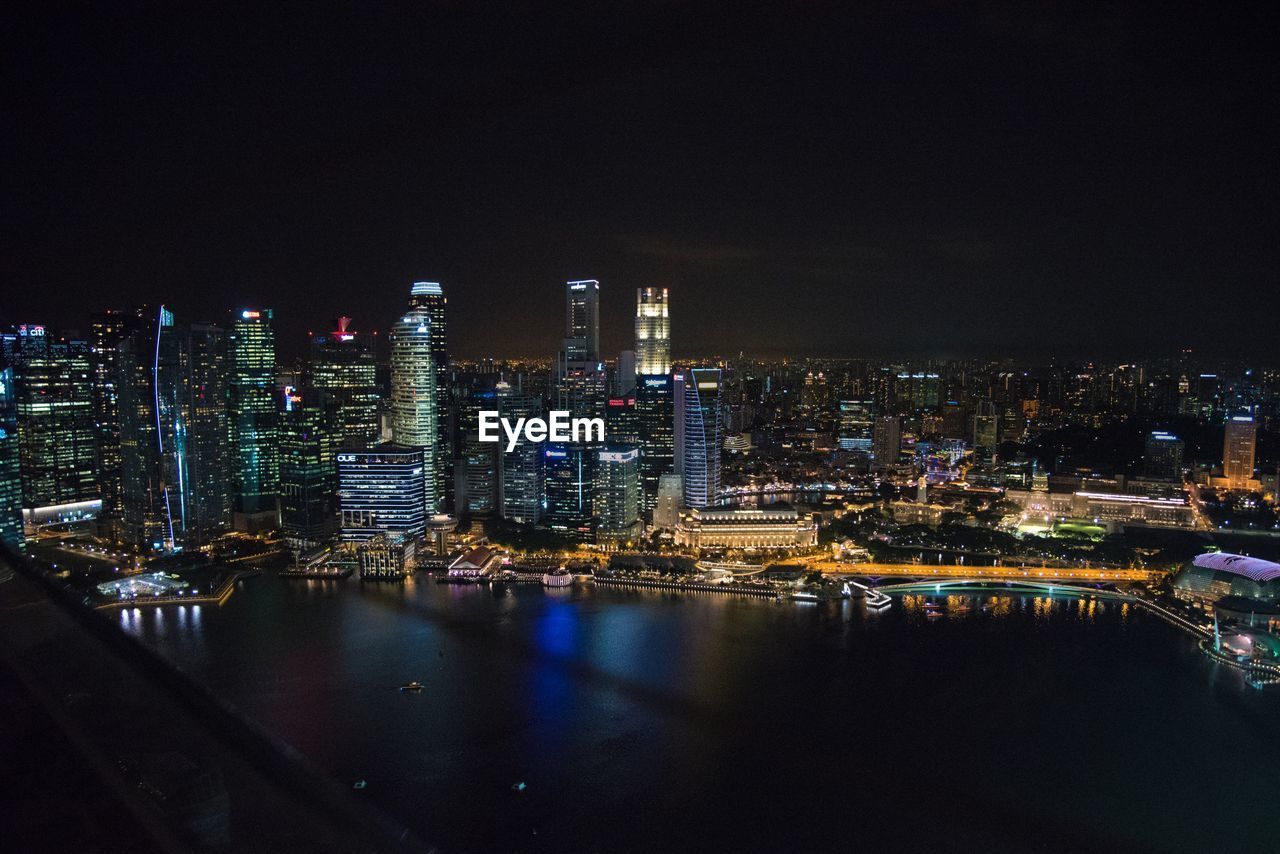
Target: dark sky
pixel 920 178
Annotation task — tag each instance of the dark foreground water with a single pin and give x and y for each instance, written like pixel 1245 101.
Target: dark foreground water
pixel 649 721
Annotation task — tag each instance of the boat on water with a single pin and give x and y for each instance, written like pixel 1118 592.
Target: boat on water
pixel 804 596
pixel 411 686
pixel 558 577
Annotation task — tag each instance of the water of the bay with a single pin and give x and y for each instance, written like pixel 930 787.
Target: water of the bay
pixel 649 721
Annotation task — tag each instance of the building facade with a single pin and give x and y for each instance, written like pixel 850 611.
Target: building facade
pixel 254 419
pixel 698 433
pixel 414 421
pixel 381 489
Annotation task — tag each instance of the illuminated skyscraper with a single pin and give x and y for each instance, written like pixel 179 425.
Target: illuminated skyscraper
pixel 414 422
pixel 107 329
pixel 10 473
pixel 382 489
pixel 617 494
pixel 254 426
pixel 655 417
pixel 429 297
pixel 53 388
pixel 521 469
pixel 1239 450
pixel 855 427
pixel 698 434
pixel 582 320
pixel 173 435
pixel 344 368
pixel 476 477
pixel 653 332
pixel 310 435
pixel 569 489
pixel 986 434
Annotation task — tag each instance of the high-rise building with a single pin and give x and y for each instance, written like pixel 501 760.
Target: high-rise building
pixel 53 388
pixel 986 434
pixel 698 434
pixel 582 320
pixel 382 489
pixel 886 441
pixel 624 374
pixel 476 476
pixel 653 332
pixel 521 477
pixel 569 489
pixel 429 297
pixel 1239 449
pixel 10 471
pixel 107 329
pixel 175 490
pixel 655 414
pixel 617 494
pixel 344 368
pixel 254 422
pixel 666 511
pixel 855 427
pixel 414 421
pixel 621 420
pixel 311 433
pixel 1163 457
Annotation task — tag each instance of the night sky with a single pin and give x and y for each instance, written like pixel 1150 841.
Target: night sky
pixel 917 178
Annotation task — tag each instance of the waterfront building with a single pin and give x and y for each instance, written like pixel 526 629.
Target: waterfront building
pixel 254 421
pixel 653 333
pixel 414 420
pixel 53 396
pixel 1211 576
pixel 738 528
pixel 1163 457
pixel 343 366
pixel 429 297
pixel 582 320
pixel 569 490
pixel 655 417
pixel 857 419
pixel 886 441
pixel 386 557
pixel 617 494
pixel 666 511
pixel 476 562
pixel 174 434
pixel 10 471
pixel 107 328
pixel 311 433
pixel 381 488
pixel 698 433
pixel 1239 449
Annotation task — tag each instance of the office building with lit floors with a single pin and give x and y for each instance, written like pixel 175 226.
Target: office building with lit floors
pixel 1239 452
pixel 381 489
pixel 698 433
pixel 175 478
pixel 617 495
pixel 569 490
pixel 53 395
pixel 311 433
pixel 413 395
pixel 520 476
pixel 737 528
pixel 429 297
pixel 343 367
pixel 655 421
pixel 254 424
pixel 10 474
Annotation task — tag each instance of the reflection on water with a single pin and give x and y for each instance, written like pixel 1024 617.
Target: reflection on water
pixel 714 717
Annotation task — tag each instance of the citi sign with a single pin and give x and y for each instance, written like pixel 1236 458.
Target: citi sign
pixel 559 427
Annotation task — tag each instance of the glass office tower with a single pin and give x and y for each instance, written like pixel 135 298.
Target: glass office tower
pixel 414 422
pixel 698 434
pixel 254 424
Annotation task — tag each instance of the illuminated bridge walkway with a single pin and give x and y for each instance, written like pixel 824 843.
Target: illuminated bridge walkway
pixel 996 573
pixel 976 586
